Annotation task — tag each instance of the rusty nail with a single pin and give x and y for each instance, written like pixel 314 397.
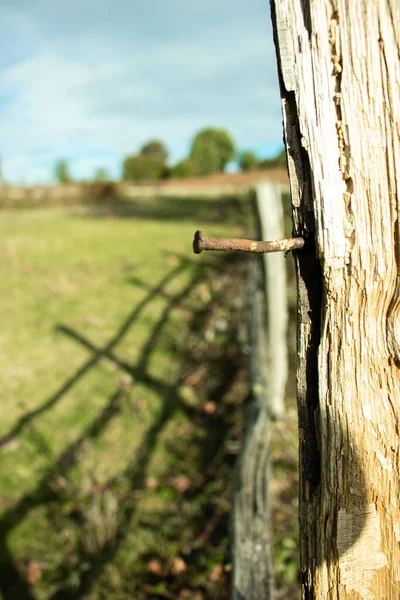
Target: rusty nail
pixel 202 242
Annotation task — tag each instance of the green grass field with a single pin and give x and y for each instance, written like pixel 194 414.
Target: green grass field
pixel 115 384
pixel 122 381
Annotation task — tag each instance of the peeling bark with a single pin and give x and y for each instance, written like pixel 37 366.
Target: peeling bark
pixel 339 68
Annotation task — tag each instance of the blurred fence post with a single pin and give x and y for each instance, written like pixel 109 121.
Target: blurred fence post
pixel 267 316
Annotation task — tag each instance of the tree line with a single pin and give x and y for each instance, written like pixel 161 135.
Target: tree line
pixel 211 150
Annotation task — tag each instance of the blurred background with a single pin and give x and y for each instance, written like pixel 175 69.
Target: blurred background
pixel 124 128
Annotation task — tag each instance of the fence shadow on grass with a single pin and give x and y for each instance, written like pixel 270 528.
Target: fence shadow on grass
pixel 50 490
pixel 95 358
pixel 12 583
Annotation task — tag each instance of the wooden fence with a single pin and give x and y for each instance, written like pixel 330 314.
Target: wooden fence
pixel 267 318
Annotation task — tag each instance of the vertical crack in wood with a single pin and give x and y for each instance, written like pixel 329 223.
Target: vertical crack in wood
pixel 309 282
pixel 337 69
pixel 309 290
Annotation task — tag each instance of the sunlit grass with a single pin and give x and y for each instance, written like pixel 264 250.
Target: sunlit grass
pixel 92 377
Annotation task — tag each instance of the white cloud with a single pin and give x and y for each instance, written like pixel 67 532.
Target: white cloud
pixel 89 95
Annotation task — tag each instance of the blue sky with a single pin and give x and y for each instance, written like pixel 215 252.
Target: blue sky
pixel 91 81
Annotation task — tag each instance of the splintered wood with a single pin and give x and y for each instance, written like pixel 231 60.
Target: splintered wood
pixel 340 87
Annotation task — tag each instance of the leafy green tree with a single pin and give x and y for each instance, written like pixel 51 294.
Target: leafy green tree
pixel 61 171
pixel 101 175
pixel 248 160
pixel 277 161
pixel 183 168
pixel 211 150
pixel 205 158
pixel 141 168
pixel 281 159
pixel 155 149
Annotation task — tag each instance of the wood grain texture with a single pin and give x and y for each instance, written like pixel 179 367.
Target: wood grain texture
pixel 339 72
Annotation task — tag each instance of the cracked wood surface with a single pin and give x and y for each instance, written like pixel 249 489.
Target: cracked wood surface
pixel 339 71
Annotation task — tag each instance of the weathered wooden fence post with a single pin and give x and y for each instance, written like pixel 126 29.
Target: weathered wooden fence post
pixel 339 71
pixel 267 325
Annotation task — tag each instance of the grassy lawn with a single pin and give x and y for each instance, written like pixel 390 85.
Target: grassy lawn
pixel 122 384
pixel 118 395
